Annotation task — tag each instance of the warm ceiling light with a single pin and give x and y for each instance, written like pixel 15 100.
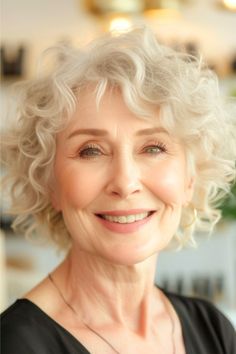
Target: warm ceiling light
pixel 119 25
pixel 162 4
pixel 163 14
pixel 102 7
pixel 230 4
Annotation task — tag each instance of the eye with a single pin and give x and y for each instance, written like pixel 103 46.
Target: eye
pixel 89 152
pixel 155 149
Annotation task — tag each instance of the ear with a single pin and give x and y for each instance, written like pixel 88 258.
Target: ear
pixel 53 196
pixel 189 190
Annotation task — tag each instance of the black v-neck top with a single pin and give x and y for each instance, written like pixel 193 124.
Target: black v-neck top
pixel 26 329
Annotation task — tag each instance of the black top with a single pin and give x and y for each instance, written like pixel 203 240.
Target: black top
pixel 26 329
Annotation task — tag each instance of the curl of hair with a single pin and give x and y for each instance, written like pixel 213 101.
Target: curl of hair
pixel 149 75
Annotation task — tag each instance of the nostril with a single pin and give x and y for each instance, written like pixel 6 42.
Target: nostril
pixel 123 187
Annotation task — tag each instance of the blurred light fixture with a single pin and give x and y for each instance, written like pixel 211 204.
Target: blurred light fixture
pixel 163 14
pixel 103 7
pixel 119 24
pixel 230 4
pixel 162 9
pixel 162 4
pixel 119 15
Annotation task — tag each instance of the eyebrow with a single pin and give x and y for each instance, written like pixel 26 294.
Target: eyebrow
pixel 95 132
pixel 150 131
pixel 103 132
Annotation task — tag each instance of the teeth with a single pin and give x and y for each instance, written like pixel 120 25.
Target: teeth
pixel 125 219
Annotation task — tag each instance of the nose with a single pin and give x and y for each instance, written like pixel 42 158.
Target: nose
pixel 124 178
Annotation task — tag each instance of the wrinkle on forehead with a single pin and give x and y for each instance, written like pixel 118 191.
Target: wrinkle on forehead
pixel 88 115
pixel 109 91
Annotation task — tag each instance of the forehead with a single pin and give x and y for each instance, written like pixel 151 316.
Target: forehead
pixel 110 111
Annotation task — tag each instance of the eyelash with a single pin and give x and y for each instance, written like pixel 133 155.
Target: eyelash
pixel 91 148
pixel 159 145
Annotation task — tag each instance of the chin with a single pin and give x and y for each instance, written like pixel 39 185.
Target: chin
pixel 130 257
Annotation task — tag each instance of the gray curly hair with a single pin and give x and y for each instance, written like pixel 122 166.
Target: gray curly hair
pixel 148 75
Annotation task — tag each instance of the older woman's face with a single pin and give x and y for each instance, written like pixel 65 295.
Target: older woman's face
pixel 120 181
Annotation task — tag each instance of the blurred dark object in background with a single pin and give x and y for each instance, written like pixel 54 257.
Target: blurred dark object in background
pixel 12 62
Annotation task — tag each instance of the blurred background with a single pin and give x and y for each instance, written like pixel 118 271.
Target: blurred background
pixel 206 27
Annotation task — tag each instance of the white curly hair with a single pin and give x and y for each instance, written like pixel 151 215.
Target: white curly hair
pixel 148 75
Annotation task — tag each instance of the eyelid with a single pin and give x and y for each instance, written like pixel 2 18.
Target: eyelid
pixel 89 151
pixel 103 151
pixel 89 146
pixel 156 143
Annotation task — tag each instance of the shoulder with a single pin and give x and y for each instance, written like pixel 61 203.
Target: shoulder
pixel 21 312
pixel 27 329
pixel 15 314
pixel 22 329
pixel 198 308
pixel 205 320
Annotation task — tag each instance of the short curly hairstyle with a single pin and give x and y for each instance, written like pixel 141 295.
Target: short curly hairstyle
pixel 148 75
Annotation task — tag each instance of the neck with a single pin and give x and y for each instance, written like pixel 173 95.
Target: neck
pixel 118 294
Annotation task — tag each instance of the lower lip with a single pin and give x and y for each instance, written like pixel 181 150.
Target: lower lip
pixel 125 228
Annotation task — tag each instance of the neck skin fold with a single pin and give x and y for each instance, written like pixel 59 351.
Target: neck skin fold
pixel 120 295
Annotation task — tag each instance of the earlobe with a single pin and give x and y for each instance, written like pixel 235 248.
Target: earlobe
pixel 54 200
pixel 189 190
pixel 55 205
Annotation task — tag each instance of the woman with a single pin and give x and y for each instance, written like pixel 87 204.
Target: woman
pixel 118 152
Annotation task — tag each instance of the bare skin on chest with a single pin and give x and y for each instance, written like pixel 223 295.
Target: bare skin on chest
pixel 128 342
pixel 150 331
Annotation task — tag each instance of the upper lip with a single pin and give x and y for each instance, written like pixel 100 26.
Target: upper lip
pixel 125 212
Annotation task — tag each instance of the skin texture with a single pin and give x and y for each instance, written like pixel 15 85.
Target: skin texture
pixel 134 164
pixel 118 171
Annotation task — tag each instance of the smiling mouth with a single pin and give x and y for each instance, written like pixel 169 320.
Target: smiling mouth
pixel 126 219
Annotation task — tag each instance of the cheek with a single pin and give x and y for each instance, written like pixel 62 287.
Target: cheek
pixel 167 182
pixel 77 187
